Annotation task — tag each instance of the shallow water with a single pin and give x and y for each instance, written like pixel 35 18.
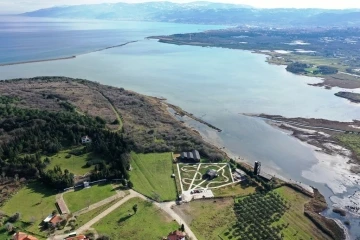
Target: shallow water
pixel 212 83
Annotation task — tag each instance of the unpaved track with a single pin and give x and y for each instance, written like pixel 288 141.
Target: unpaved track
pixel 166 207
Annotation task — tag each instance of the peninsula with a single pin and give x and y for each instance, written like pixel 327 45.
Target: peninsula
pixel 114 147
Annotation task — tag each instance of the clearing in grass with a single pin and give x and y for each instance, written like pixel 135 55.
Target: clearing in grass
pixel 75 164
pixel 84 197
pixel 151 175
pixel 149 222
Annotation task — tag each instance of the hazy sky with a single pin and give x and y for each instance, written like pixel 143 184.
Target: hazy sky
pixel 13 6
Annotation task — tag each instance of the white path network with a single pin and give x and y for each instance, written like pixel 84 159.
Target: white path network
pixel 197 176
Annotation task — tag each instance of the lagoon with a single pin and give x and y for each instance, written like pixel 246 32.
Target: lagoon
pixel 215 84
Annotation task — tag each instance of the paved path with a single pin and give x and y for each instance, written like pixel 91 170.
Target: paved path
pixel 166 207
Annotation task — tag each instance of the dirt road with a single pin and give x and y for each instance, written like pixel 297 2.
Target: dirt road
pixel 166 207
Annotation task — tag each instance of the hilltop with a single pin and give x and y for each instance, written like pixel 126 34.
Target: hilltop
pixel 204 13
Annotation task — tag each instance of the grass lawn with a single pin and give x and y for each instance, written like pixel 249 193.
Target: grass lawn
pixel 33 202
pixel 207 218
pixel 75 164
pixel 82 198
pixel 86 217
pixel 148 223
pixel 152 174
pixel 233 190
pixel 300 227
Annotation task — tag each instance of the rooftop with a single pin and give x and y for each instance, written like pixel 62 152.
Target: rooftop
pixel 23 236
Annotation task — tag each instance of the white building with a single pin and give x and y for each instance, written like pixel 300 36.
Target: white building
pixel 85 139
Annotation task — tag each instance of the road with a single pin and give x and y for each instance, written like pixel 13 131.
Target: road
pixel 166 207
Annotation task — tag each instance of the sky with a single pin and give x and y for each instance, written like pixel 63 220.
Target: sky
pixel 18 6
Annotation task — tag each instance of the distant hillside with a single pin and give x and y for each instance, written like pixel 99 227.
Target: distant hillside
pixel 204 13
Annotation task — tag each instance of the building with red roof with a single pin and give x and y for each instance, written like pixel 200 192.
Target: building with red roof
pixel 176 235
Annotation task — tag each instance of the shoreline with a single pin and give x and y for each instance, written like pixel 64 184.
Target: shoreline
pixel 64 58
pixel 327 81
pixel 313 213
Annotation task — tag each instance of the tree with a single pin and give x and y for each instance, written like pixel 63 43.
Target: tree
pixel 135 208
pixel 9 227
pixel 103 237
pixel 182 228
pixel 130 184
pixel 14 218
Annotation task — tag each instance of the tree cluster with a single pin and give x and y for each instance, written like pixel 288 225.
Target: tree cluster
pixel 33 133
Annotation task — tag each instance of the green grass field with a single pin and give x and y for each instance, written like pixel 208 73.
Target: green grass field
pixel 148 223
pixel 208 218
pixel 151 175
pixel 75 164
pixel 233 190
pixel 82 198
pixel 350 141
pixel 34 202
pixel 86 217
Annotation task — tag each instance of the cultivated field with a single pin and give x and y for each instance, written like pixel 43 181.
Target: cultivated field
pixel 148 222
pixel 278 214
pixel 300 227
pixel 84 197
pixel 151 175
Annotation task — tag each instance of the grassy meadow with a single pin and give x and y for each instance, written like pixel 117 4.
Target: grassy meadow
pixel 151 174
pixel 80 199
pixel 34 202
pixel 208 218
pixel 148 222
pixel 75 164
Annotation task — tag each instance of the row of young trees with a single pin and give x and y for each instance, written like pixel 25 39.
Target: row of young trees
pixel 29 134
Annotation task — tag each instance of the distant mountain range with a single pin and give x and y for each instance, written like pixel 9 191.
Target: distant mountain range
pixel 205 13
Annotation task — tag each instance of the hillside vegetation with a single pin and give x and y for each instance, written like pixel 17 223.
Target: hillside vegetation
pixel 45 116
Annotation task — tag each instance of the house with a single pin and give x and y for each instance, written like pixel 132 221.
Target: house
pixel 79 237
pixel 192 156
pixel 239 175
pixel 176 235
pixel 55 220
pixel 85 139
pixel 211 173
pixel 23 236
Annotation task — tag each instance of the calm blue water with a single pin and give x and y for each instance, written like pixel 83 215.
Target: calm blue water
pixel 215 84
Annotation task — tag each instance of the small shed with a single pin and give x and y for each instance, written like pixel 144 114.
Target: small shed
pixel 48 218
pixel 211 173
